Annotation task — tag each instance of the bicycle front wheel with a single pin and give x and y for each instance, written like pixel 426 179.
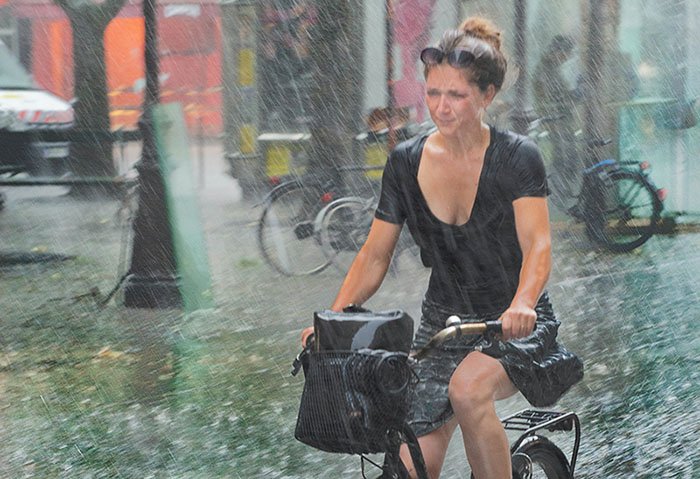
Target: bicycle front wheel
pixel 539 458
pixel 286 230
pixel 624 213
pixel 343 230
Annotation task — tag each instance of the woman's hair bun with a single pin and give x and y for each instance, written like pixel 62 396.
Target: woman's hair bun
pixel 482 29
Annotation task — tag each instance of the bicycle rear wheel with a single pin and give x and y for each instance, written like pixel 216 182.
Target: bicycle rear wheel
pixel 343 230
pixel 286 230
pixel 624 213
pixel 538 458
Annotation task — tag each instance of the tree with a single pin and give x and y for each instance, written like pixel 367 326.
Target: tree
pixel 601 19
pixel 91 150
pixel 336 101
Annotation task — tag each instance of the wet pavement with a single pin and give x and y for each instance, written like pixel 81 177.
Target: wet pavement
pixel 116 392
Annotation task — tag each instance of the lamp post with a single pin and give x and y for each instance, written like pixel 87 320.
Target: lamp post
pixel 152 281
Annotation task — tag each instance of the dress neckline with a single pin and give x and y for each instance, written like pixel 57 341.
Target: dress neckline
pixel 487 155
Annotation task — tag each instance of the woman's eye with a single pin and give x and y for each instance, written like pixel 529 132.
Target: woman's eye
pixel 457 96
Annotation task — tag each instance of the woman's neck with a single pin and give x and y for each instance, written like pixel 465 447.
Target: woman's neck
pixel 466 141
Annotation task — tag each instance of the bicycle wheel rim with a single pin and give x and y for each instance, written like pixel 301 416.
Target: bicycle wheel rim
pixel 344 229
pixel 285 231
pixel 627 214
pixel 542 460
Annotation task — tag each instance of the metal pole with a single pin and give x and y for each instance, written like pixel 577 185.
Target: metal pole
pixel 390 103
pixel 151 281
pixel 594 62
pixel 518 115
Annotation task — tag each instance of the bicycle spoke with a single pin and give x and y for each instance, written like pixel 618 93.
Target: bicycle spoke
pixel 344 230
pixel 277 236
pixel 629 215
pixel 286 232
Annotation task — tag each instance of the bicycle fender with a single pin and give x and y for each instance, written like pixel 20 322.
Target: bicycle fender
pixel 604 164
pixel 276 191
pixel 318 221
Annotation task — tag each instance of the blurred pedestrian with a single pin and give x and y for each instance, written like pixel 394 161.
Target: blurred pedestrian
pixel 556 99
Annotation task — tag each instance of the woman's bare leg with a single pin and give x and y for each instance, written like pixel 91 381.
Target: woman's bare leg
pixel 433 446
pixel 476 384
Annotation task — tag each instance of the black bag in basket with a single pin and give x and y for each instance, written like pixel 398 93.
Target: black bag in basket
pixel 351 398
pixel 358 328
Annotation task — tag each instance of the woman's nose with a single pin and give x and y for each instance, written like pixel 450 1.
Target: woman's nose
pixel 443 104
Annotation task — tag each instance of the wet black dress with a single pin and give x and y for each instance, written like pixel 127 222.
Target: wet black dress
pixel 475 271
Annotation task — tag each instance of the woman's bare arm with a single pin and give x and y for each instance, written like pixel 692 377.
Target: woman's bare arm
pixel 370 265
pixel 532 227
pixel 368 268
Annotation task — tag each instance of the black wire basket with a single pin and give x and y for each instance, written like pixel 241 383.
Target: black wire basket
pixel 352 399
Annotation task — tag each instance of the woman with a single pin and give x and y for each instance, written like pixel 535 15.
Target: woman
pixel 474 199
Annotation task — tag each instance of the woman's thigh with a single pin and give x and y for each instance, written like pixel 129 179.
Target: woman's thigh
pixel 480 376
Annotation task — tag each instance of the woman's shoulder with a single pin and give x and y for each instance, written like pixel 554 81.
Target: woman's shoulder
pixel 407 154
pixel 411 147
pixel 509 138
pixel 508 144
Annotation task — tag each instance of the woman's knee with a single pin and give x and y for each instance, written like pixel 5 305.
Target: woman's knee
pixel 469 394
pixel 477 383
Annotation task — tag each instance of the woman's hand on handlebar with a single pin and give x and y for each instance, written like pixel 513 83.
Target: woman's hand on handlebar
pixel 518 322
pixel 305 334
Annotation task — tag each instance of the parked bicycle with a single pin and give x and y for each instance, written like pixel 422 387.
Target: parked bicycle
pixel 343 226
pixel 307 225
pixel 356 384
pixel 618 202
pixel 286 236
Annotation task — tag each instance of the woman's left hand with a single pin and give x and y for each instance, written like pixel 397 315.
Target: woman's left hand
pixel 518 322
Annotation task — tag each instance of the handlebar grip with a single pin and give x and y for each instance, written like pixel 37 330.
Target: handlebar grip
pixel 494 326
pixel 310 343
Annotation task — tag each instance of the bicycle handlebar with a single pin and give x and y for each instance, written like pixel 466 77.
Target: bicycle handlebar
pixel 457 331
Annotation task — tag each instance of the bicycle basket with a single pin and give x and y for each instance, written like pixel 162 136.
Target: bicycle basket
pixel 351 399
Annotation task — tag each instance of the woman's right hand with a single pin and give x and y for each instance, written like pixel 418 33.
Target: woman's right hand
pixel 305 335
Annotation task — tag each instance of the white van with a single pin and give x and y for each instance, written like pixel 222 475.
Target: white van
pixel 25 110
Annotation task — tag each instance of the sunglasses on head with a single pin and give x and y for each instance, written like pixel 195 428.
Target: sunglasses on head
pixel 457 58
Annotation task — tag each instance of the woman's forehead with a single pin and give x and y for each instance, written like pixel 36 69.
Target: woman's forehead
pixel 445 75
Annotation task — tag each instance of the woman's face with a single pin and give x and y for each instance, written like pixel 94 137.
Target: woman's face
pixel 453 102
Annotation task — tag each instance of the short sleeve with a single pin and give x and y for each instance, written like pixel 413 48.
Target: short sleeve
pixel 391 206
pixel 526 175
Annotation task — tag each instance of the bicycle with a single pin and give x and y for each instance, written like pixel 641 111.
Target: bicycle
pixel 303 217
pixel 343 226
pixel 285 231
pixel 533 454
pixel 617 200
pixel 307 225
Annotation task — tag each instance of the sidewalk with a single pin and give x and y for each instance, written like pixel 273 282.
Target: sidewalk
pixel 139 393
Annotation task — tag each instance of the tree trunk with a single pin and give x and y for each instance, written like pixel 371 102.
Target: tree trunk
pixel 601 20
pixel 91 154
pixel 336 95
pixel 91 147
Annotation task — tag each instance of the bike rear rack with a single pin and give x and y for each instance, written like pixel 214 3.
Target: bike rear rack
pixel 530 421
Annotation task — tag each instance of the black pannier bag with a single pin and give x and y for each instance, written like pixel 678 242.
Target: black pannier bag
pixel 361 329
pixel 355 393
